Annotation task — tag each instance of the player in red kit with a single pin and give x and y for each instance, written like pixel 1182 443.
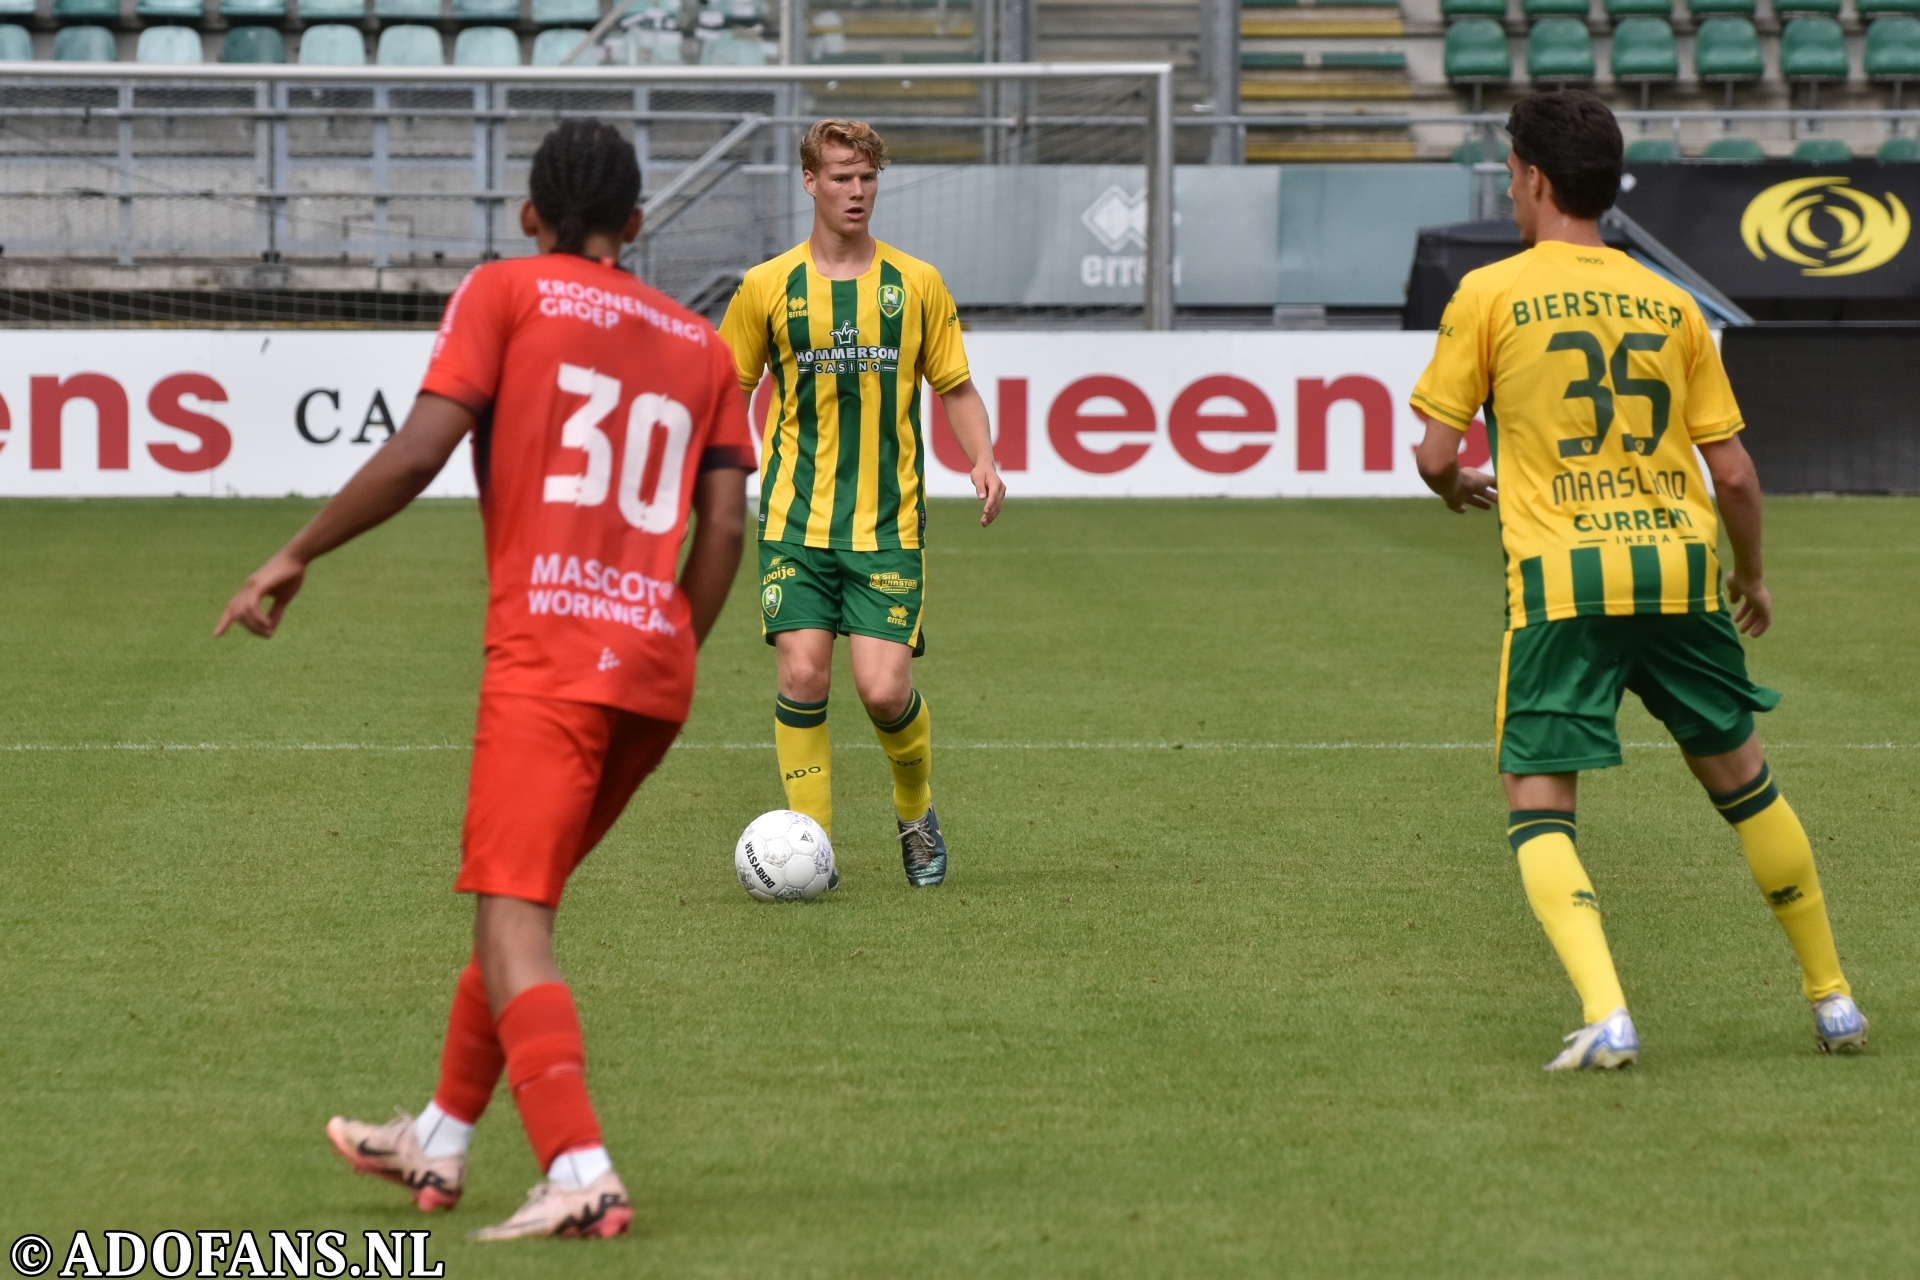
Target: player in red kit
pixel 601 412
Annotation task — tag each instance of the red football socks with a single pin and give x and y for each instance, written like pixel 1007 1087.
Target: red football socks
pixel 472 1059
pixel 546 1066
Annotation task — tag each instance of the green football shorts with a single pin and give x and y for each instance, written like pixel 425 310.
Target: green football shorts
pixel 1561 685
pixel 855 593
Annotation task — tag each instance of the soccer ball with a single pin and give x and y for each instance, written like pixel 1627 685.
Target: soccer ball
pixel 784 856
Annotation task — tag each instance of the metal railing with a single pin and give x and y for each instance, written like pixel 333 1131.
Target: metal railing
pixel 272 165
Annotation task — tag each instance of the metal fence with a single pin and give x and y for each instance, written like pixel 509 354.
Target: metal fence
pixel 326 178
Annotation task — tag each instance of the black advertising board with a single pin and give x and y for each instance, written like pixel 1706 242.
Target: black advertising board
pixel 1786 230
pixel 1830 408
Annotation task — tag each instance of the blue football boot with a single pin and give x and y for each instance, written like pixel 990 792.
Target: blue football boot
pixel 923 851
pixel 1839 1024
pixel 1600 1046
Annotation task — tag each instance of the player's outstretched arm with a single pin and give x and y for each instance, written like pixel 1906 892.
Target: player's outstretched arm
pixel 391 478
pixel 719 531
pixel 967 415
pixel 1736 488
pixel 1438 457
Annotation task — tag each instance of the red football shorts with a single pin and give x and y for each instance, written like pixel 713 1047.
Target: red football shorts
pixel 549 778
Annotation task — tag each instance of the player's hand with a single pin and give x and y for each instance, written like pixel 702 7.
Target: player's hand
pixel 990 489
pixel 1755 612
pixel 278 579
pixel 1473 489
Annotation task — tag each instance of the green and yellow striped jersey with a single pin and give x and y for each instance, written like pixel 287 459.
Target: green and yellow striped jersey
pixel 1583 360
pixel 843 459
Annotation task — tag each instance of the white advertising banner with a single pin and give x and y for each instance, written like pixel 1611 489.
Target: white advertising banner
pixel 1088 414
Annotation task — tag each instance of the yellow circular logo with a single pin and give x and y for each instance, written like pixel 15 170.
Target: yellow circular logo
pixel 1825 226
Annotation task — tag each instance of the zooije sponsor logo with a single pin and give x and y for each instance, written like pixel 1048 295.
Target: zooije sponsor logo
pixel 1825 226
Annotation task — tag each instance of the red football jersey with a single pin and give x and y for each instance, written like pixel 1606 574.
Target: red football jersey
pixel 600 400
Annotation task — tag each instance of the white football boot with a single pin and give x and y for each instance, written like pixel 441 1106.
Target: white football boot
pixel 1600 1046
pixel 1839 1024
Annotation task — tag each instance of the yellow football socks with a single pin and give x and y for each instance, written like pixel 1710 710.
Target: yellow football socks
pixel 1563 901
pixel 908 742
pixel 1782 864
pixel 805 751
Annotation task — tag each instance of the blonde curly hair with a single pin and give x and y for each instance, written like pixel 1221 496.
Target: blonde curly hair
pixel 857 135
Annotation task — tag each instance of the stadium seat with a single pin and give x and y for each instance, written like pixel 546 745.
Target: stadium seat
pixel 253 8
pixel 173 45
pixel 1453 9
pixel 1813 51
pixel 409 45
pixel 16 8
pixel 555 13
pixel 1726 51
pixel 655 48
pixel 1819 8
pixel 1822 151
pixel 1875 8
pixel 1652 151
pixel 332 10
pixel 85 44
pixel 486 10
pixel 86 10
pixel 1740 150
pixel 1618 9
pixel 16 45
pixel 732 51
pixel 1477 55
pixel 190 9
pixel 332 44
pixel 1537 9
pixel 1644 54
pixel 407 10
pixel 1471 152
pixel 550 48
pixel 1893 52
pixel 1559 51
pixel 1709 8
pixel 1899 151
pixel 253 44
pixel 486 47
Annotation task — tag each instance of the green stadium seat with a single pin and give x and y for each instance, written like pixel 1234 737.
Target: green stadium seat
pixel 192 10
pixel 556 13
pixel 254 45
pixel 16 43
pixel 16 8
pixel 408 45
pixel 85 44
pixel 407 10
pixel 732 51
pixel 655 48
pixel 1816 8
pixel 1899 151
pixel 1653 151
pixel 1709 8
pixel 1726 51
pixel 274 9
pixel 1876 8
pixel 1454 9
pixel 1893 52
pixel 86 10
pixel 1559 51
pixel 550 48
pixel 1644 52
pixel 1822 151
pixel 1737 150
pixel 332 10
pixel 1537 9
pixel 1618 9
pixel 486 10
pixel 1471 152
pixel 332 44
pixel 1477 50
pixel 486 47
pixel 1813 51
pixel 175 46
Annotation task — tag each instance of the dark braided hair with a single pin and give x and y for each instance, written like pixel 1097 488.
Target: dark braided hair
pixel 584 179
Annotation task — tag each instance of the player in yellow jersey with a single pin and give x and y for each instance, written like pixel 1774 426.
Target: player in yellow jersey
pixel 850 327
pixel 1599 380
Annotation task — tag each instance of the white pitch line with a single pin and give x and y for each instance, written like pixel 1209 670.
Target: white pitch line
pixel 945 746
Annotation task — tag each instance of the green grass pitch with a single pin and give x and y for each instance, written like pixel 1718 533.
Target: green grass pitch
pixel 1233 975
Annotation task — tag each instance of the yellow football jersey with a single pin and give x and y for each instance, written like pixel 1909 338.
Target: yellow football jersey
pixel 1597 378
pixel 843 458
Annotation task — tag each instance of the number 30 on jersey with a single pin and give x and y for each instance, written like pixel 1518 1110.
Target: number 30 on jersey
pixel 651 462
